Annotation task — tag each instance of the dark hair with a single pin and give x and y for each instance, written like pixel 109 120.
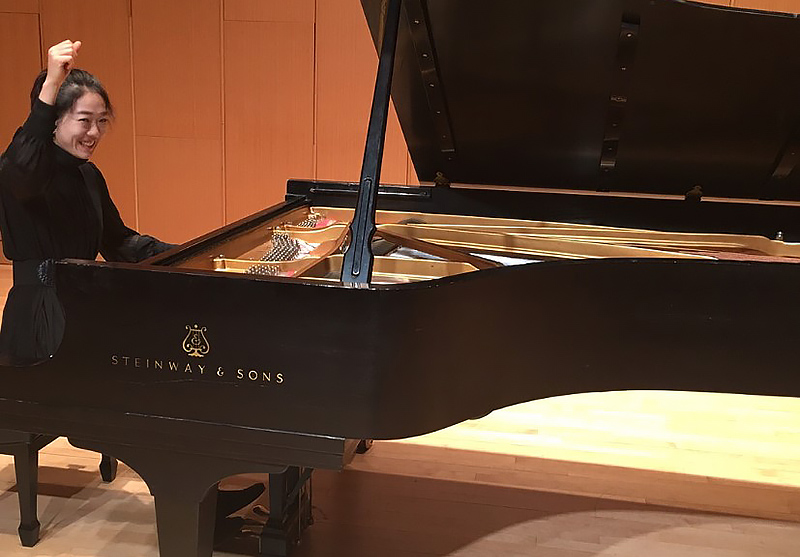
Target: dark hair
pixel 75 85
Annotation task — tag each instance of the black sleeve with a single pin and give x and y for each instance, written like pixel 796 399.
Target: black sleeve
pixel 26 165
pixel 119 242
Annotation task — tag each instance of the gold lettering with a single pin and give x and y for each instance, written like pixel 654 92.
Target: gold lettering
pixel 252 375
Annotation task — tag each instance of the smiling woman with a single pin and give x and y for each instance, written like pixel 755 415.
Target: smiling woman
pixel 80 128
pixel 54 204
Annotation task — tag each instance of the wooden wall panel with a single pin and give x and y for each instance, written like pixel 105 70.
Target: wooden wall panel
pixel 103 27
pixel 789 6
pixel 346 64
pixel 179 193
pixel 178 68
pixel 269 107
pixel 178 96
pixel 297 11
pixel 19 35
pixel 19 6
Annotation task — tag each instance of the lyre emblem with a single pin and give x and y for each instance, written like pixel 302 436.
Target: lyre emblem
pixel 196 343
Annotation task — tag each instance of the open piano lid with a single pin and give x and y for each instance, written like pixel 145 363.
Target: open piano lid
pixel 651 96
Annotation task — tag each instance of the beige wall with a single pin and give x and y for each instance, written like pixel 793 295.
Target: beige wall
pixel 218 102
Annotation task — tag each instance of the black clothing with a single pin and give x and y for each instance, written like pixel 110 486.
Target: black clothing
pixel 49 211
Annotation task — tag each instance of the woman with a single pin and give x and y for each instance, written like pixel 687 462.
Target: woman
pixel 55 204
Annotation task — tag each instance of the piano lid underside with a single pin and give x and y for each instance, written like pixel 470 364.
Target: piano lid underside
pixel 652 96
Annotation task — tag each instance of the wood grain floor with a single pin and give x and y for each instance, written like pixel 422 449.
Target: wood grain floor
pixel 596 474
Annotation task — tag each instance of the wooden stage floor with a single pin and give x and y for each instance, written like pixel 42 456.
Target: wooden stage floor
pixel 589 475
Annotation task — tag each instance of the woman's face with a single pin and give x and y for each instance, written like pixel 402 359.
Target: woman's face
pixel 80 129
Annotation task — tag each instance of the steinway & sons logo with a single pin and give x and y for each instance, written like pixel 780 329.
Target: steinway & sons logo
pixel 196 345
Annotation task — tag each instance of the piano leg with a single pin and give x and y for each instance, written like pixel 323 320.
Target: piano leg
pixel 184 486
pixel 185 527
pixel 289 511
pixel 26 468
pixel 25 448
pixel 108 468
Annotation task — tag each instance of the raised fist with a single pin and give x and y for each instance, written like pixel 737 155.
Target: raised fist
pixel 61 59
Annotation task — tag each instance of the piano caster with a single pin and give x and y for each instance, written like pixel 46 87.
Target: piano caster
pixel 363 446
pixel 289 512
pixel 108 468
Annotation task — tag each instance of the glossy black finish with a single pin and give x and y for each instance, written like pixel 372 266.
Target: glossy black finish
pixel 649 324
pixel 710 95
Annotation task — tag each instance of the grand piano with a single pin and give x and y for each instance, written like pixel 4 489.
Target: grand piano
pixel 610 199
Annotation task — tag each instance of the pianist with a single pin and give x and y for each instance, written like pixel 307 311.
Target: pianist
pixel 55 204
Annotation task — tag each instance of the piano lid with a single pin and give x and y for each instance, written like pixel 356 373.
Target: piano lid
pixel 652 96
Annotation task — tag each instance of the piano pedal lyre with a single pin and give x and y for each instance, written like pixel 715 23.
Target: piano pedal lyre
pixel 289 511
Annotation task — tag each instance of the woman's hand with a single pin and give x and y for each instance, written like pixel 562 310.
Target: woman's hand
pixel 60 60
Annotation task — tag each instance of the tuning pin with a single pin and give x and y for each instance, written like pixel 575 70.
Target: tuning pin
pixel 779 236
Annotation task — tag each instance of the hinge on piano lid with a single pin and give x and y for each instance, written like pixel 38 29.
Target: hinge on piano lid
pixel 694 195
pixel 620 88
pixel 441 180
pixel 785 163
pixel 419 29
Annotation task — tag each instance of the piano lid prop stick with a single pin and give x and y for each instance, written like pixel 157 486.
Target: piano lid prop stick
pixel 358 259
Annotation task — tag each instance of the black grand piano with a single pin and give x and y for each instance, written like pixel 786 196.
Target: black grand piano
pixel 612 201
